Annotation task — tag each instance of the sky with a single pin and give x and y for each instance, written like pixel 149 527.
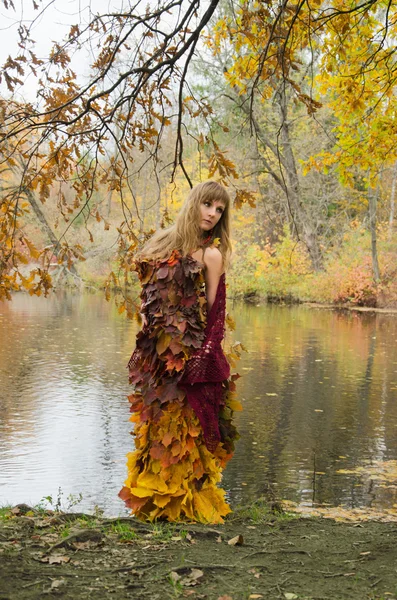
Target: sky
pixel 51 22
pixel 47 26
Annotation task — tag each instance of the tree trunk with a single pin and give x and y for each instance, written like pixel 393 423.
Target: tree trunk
pixel 286 177
pixel 392 201
pixel 45 226
pixel 302 220
pixel 372 202
pixel 42 219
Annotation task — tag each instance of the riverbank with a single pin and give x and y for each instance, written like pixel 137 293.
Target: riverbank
pixel 256 554
pixel 293 301
pixel 363 309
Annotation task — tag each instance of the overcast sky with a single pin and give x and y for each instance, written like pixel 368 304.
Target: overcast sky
pixel 49 25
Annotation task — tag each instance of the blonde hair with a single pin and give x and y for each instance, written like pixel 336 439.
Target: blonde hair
pixel 185 235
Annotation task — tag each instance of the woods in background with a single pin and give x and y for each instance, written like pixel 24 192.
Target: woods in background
pixel 291 105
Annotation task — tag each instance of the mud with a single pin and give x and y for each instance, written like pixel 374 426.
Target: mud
pixel 256 554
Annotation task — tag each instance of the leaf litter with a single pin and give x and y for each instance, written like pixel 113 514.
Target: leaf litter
pixel 283 556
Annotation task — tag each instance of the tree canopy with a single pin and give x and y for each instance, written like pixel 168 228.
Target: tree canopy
pixel 172 83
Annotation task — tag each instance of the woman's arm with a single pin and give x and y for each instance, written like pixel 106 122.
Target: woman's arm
pixel 213 262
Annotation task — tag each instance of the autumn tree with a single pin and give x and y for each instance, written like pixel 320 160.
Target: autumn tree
pixel 358 70
pixel 102 130
pixel 136 90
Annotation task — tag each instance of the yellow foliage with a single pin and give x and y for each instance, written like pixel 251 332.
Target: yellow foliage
pixel 163 488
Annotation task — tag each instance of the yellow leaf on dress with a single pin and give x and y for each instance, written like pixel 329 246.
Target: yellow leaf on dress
pixel 151 481
pixel 235 405
pixel 173 509
pixel 161 500
pixel 163 342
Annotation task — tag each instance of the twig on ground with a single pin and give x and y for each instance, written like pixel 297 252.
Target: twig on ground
pixel 32 583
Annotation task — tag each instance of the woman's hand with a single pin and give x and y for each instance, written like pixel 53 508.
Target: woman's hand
pixel 213 262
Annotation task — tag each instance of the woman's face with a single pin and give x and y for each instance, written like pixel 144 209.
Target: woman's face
pixel 210 213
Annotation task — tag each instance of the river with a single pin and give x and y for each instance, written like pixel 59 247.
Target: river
pixel 318 387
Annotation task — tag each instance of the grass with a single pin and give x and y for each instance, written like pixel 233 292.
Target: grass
pixel 125 532
pixel 158 532
pixel 5 512
pixel 177 588
pixel 57 504
pixel 165 532
pixel 65 530
pixel 261 511
pixel 88 521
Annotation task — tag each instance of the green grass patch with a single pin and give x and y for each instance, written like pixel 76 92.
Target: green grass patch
pixel 5 512
pixel 165 532
pixel 124 532
pixel 262 511
pixel 87 521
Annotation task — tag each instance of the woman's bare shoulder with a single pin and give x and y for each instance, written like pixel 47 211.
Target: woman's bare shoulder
pixel 213 253
pixel 213 258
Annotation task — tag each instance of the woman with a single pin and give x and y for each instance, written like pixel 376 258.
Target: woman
pixel 182 396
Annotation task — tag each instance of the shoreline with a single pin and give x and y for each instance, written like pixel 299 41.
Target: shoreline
pixel 259 552
pixel 350 307
pixel 254 300
pixel 313 304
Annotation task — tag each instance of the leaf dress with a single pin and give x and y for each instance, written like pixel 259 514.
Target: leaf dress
pixel 183 397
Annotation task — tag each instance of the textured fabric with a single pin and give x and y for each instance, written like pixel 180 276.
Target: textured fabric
pixel 177 462
pixel 207 369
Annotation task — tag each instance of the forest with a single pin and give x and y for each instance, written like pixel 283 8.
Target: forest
pixel 110 112
pixel 291 105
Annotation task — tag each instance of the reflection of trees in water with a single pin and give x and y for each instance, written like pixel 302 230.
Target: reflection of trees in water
pixel 66 386
pixel 65 341
pixel 316 361
pixel 69 353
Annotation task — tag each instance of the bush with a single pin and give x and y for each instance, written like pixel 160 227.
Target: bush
pixel 273 271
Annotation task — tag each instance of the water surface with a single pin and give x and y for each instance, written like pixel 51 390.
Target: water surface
pixel 319 391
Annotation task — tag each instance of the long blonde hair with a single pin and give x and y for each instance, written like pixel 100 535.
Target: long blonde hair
pixel 185 235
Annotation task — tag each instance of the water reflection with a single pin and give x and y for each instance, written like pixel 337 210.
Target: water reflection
pixel 319 393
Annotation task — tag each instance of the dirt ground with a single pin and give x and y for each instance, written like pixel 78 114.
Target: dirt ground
pixel 256 554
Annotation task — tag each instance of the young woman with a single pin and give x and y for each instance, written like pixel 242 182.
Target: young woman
pixel 183 391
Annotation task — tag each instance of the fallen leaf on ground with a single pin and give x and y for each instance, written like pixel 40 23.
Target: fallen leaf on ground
pixel 83 545
pixel 191 578
pixel 257 596
pixel 48 538
pixel 290 596
pixel 236 541
pixel 340 513
pixel 55 559
pixel 57 583
pixel 225 598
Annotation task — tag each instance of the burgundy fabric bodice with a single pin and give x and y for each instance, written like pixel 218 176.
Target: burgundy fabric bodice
pixel 206 370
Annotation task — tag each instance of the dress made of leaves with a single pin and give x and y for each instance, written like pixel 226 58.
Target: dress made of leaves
pixel 183 397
